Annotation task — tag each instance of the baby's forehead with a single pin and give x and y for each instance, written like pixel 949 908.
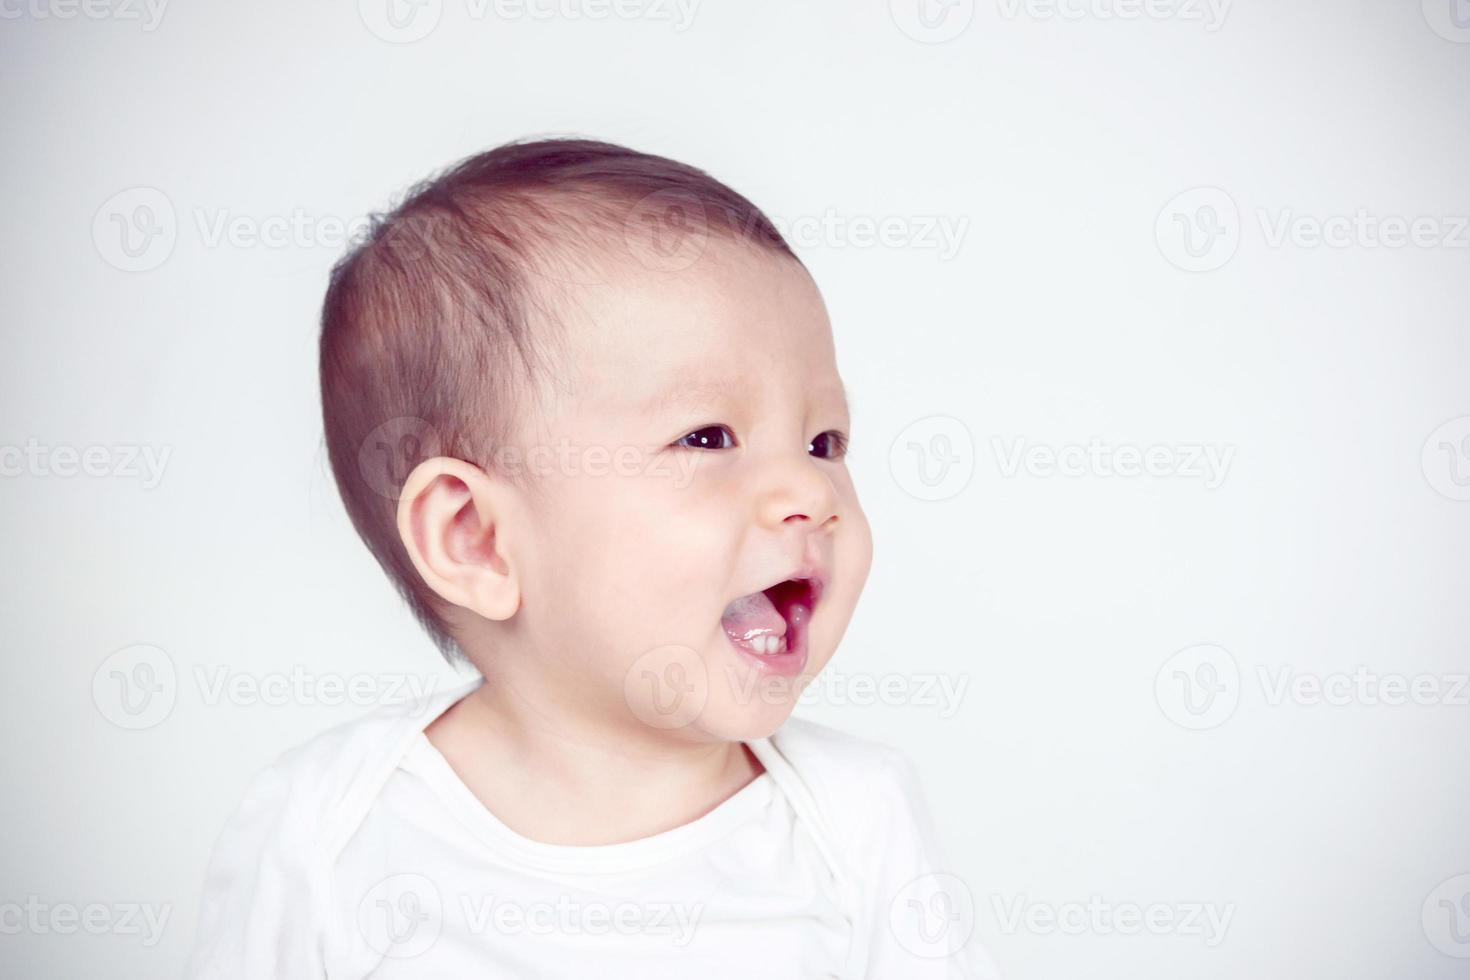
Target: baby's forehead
pixel 728 315
pixel 668 359
pixel 733 303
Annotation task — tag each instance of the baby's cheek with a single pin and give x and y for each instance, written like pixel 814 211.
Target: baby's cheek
pixel 860 545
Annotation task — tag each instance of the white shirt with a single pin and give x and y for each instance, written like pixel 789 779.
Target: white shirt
pixel 362 854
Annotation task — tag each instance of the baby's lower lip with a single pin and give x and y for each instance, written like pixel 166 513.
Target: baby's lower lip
pixel 790 654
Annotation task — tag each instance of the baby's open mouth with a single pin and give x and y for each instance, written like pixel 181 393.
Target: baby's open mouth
pixel 772 622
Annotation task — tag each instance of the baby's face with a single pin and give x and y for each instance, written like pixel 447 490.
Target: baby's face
pixel 705 427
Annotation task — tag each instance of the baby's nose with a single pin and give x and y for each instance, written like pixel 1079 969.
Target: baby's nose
pixel 798 492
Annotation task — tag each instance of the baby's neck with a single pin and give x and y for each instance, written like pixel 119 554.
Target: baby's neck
pixel 558 779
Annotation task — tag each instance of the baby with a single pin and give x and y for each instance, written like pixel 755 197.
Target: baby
pixel 582 404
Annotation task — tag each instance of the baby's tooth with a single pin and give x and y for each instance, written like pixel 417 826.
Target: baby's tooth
pixel 767 644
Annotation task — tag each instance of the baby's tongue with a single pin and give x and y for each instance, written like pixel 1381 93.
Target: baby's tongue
pixel 752 615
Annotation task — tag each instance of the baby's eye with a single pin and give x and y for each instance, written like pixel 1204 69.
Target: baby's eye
pixel 829 445
pixel 709 437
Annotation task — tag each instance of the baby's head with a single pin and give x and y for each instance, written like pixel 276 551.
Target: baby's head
pixel 582 404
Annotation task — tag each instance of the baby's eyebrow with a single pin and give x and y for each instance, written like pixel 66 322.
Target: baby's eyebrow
pixel 684 395
pixel 690 394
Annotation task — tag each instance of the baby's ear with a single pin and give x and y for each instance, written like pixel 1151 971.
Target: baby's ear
pixel 452 519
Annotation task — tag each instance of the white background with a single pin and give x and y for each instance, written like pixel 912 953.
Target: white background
pixel 1336 538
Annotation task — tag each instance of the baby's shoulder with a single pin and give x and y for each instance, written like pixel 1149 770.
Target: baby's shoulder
pixel 267 891
pixel 314 794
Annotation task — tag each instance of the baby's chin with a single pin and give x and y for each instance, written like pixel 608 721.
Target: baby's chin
pixel 744 723
pixel 723 690
pixel 745 705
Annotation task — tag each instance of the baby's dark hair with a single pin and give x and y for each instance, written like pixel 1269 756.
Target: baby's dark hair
pixel 438 336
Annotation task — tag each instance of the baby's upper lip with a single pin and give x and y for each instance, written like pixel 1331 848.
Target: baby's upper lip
pixel 814 574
